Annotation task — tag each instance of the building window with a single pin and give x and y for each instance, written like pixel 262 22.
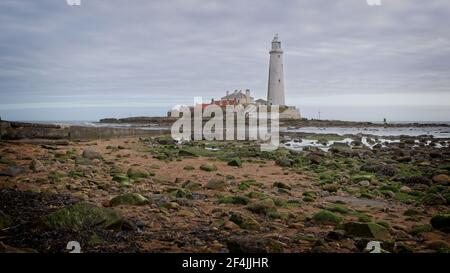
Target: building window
pixel 279 80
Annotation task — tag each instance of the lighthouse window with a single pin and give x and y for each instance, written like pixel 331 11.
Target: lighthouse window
pixel 278 56
pixel 279 80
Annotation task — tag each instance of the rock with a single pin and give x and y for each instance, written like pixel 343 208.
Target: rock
pixel 433 199
pixel 326 217
pixel 415 180
pixel 281 185
pixel 9 249
pixel 5 220
pixel 137 172
pixel 389 194
pixel 364 183
pixel 12 171
pixel 437 245
pixel 122 179
pixel 236 162
pixel 235 199
pixel 182 193
pixel 230 226
pixel 216 184
pixel 186 153
pixel 330 187
pixel 315 158
pixel 208 167
pixel 405 189
pixel 284 162
pixel 441 222
pixel 380 169
pixel 134 199
pixel 367 230
pixel 92 153
pixel 265 207
pixel 37 166
pixel 254 244
pixel 191 185
pixel 442 179
pixel 82 216
pixel 336 235
pixel 244 221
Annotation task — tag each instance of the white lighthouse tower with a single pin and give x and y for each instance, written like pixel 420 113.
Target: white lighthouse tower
pixel 275 91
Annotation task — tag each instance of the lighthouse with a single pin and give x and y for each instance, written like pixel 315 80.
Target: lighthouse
pixel 275 90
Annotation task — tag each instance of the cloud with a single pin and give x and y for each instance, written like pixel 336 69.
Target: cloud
pixel 119 53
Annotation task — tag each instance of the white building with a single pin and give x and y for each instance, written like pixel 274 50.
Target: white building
pixel 239 96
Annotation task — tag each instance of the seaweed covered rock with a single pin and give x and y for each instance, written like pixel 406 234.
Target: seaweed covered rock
pixel 5 220
pixel 367 230
pixel 216 184
pixel 265 207
pixel 442 179
pixel 326 217
pixel 441 222
pixel 37 166
pixel 284 162
pixel 235 162
pixel 134 199
pixel 92 153
pixel 254 244
pixel 208 167
pixel 83 215
pixel 244 221
pixel 137 172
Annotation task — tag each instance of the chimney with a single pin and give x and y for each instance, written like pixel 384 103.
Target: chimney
pixel 247 92
pixel 228 92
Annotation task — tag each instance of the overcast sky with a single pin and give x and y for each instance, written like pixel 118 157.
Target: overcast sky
pixel 116 58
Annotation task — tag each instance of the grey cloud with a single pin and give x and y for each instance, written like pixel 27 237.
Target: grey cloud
pixel 169 51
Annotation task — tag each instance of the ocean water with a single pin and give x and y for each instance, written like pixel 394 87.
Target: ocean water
pixel 437 132
pixel 415 131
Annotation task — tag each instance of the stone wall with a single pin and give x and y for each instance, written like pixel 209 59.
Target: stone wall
pixel 18 131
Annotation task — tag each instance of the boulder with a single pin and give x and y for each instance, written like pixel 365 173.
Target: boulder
pixel 262 207
pixel 9 249
pixel 405 189
pixel 441 222
pixel 442 179
pixel 186 153
pixel 433 199
pixel 281 185
pixel 37 166
pixel 12 171
pixel 254 244
pixel 5 220
pixel 216 184
pixel 134 199
pixel 244 221
pixel 379 168
pixel 83 216
pixel 208 167
pixel 364 183
pixel 284 162
pixel 92 153
pixel 236 162
pixel 367 230
pixel 137 172
pixel 326 217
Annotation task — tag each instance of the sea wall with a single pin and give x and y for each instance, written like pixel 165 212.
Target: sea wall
pixel 20 130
